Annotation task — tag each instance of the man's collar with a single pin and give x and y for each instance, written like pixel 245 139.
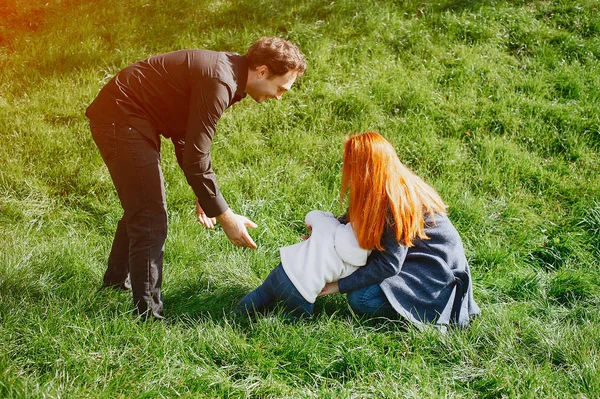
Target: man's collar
pixel 241 76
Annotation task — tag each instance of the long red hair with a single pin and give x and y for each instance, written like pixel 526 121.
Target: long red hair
pixel 382 191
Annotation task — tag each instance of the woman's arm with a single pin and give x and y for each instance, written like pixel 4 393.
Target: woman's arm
pixel 380 266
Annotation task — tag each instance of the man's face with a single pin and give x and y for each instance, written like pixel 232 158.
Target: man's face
pixel 264 85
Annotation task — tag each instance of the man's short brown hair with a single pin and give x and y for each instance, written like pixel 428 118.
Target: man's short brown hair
pixel 279 55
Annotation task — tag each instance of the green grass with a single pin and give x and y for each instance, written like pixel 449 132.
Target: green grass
pixel 495 103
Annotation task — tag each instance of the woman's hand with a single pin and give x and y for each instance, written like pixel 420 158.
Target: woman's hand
pixel 330 288
pixel 209 223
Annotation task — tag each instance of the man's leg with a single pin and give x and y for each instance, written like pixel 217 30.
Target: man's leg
pixel 134 164
pixel 104 135
pixel 117 273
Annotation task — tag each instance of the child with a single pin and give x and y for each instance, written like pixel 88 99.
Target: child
pixel 330 253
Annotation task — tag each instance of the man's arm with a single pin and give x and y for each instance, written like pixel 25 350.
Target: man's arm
pixel 204 220
pixel 235 228
pixel 208 101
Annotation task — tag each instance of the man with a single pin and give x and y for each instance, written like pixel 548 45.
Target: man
pixel 180 95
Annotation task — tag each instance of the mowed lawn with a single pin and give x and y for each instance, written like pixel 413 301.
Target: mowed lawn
pixel 495 103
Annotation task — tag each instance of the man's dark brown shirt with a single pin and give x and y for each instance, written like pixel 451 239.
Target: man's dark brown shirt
pixel 180 95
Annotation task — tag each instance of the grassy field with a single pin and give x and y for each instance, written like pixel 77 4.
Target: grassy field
pixel 495 103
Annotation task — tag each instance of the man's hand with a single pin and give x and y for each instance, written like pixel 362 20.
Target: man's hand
pixel 235 228
pixel 202 218
pixel 330 288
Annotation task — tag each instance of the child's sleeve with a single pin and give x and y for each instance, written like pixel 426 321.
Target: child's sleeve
pixel 313 218
pixel 347 246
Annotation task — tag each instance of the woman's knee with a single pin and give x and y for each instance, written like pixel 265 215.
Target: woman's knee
pixel 368 300
pixel 357 301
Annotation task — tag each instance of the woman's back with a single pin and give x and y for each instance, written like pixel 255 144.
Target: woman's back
pixel 434 272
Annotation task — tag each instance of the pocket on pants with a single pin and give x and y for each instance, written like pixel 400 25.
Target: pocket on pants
pixel 105 137
pixel 142 149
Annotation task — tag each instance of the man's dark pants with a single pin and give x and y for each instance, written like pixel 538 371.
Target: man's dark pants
pixel 133 161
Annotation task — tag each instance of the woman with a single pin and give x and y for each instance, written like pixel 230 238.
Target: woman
pixel 418 268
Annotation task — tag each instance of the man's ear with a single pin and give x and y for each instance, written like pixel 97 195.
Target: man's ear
pixel 262 71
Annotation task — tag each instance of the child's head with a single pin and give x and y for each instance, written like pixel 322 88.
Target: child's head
pixel 380 187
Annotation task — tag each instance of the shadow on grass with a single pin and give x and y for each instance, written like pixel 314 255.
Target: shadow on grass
pixel 197 300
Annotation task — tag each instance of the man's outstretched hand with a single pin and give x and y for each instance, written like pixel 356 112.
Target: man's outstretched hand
pixel 235 227
pixel 203 219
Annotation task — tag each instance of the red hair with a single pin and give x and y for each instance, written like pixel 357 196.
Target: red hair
pixel 382 191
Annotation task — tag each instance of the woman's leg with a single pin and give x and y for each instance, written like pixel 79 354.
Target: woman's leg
pixel 371 300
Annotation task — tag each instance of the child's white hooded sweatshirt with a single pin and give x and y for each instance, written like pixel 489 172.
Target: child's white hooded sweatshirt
pixel 330 253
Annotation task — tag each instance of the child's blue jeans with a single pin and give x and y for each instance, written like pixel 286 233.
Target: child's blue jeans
pixel 277 286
